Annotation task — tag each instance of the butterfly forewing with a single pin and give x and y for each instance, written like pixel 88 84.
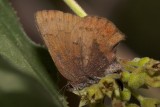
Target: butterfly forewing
pixel 80 47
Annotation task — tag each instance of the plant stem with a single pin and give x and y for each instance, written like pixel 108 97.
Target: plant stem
pixel 75 7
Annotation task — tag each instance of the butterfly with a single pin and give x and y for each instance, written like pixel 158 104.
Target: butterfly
pixel 81 48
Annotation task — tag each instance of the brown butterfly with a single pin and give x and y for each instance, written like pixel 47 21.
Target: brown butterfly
pixel 82 48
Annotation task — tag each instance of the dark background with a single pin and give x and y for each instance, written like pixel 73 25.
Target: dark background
pixel 139 20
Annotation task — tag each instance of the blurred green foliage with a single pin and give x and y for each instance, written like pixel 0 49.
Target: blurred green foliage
pixel 24 78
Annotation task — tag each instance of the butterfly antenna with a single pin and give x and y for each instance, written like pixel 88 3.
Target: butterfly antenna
pixel 63 88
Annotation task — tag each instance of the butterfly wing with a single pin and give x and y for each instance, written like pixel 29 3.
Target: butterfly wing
pixel 55 28
pixel 80 47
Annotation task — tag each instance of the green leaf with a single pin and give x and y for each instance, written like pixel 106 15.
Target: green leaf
pixel 20 90
pixel 29 58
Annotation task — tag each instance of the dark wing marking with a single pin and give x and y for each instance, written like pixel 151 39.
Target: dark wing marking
pixel 96 38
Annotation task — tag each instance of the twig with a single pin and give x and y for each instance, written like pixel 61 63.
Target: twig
pixel 75 7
